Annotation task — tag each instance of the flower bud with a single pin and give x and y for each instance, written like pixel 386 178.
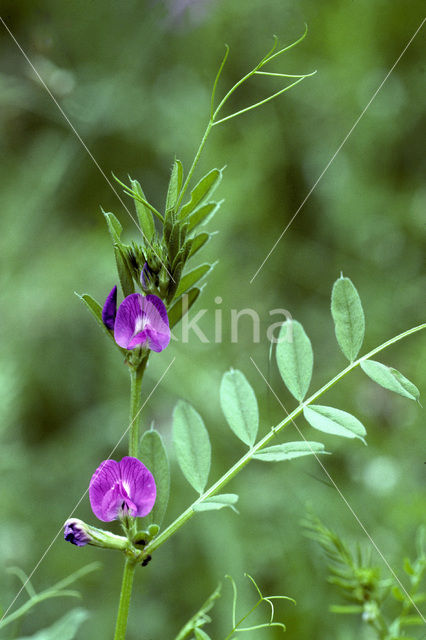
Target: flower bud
pixel 76 532
pixel 79 533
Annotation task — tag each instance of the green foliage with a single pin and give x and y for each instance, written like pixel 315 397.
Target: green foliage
pixel 219 501
pixel 239 405
pixel 289 451
pixel 57 590
pixel 138 196
pixel 123 269
pixel 201 618
pixel 144 213
pixel 390 378
pixel 175 186
pixel 203 189
pixel 335 421
pixel 153 454
pixel 192 445
pixel 65 628
pixel 359 581
pixel 114 227
pixel 198 242
pixel 182 305
pixel 96 311
pixel 350 571
pixel 203 214
pixel 237 624
pixel 271 55
pixel 199 634
pixel 192 277
pixel 295 358
pixel 134 113
pixel 348 316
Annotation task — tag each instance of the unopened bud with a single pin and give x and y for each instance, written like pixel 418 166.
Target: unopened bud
pixel 79 533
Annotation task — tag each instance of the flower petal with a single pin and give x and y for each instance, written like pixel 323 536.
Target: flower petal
pixel 158 323
pixel 157 341
pixel 142 320
pixel 102 482
pixel 139 483
pixel 160 307
pixel 110 309
pixel 116 503
pixel 75 531
pixel 128 314
pixel 140 338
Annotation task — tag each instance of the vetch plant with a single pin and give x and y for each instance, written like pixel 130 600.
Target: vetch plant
pixel 379 602
pixel 68 625
pixel 159 289
pixel 239 624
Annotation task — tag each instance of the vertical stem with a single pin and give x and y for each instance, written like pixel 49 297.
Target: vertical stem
pixel 136 376
pixel 194 164
pixel 124 604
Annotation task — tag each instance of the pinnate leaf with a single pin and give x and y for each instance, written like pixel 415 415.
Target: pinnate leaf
pixel 65 628
pixel 144 214
pixel 289 450
pixel 390 379
pixel 239 405
pixel 96 311
pixel 153 454
pixel 192 445
pixel 198 242
pixel 295 358
pixel 123 270
pixel 201 191
pixel 114 227
pixel 217 502
pixel 348 316
pixel 182 306
pixel 334 421
pixel 203 214
pixel 192 277
pixel 175 185
pixel 200 634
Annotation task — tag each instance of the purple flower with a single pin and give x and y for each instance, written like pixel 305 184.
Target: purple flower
pixel 75 531
pixel 142 321
pixel 110 309
pixel 120 489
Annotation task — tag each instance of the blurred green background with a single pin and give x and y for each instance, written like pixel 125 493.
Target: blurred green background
pixel 135 80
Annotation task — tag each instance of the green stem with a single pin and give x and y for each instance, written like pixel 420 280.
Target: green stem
pixel 194 163
pixel 215 112
pixel 242 462
pixel 124 604
pixel 136 376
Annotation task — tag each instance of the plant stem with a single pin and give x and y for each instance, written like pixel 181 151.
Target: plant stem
pixel 136 375
pixel 194 163
pixel 242 462
pixel 124 604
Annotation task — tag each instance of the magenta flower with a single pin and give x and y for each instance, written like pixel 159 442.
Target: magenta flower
pixel 121 489
pixel 109 310
pixel 142 321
